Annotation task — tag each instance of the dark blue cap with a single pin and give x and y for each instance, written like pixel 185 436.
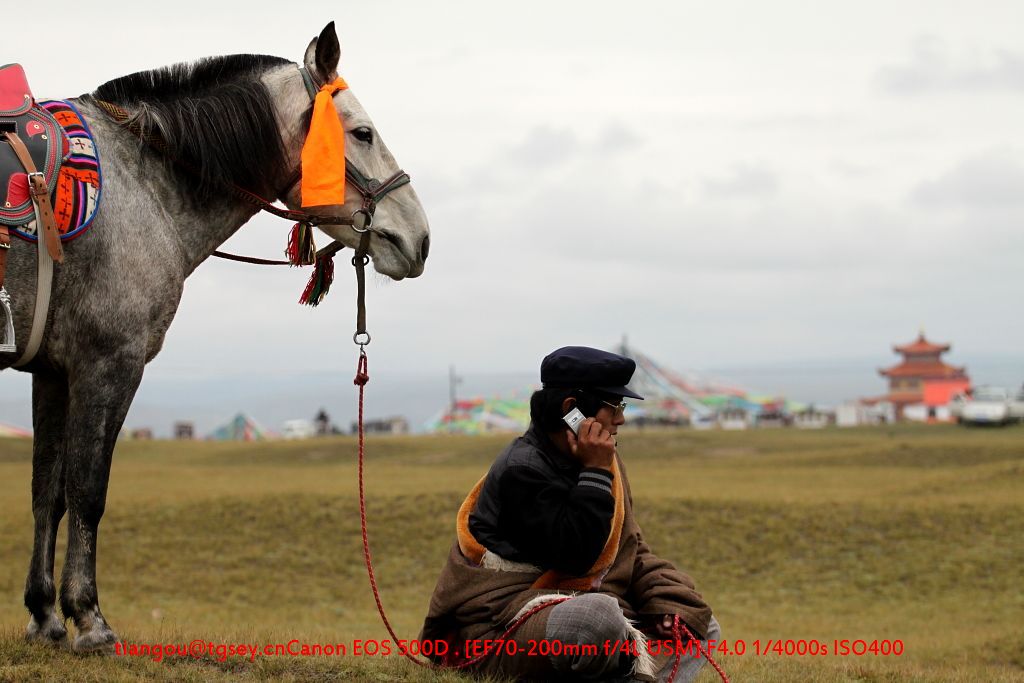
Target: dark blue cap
pixel 581 367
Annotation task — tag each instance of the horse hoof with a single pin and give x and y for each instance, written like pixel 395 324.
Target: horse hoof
pixel 50 632
pixel 96 641
pixel 94 635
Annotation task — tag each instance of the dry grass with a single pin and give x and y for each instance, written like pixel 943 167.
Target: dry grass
pixel 911 533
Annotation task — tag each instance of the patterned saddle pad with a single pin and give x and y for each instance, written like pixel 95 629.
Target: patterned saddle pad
pixel 62 149
pixel 76 194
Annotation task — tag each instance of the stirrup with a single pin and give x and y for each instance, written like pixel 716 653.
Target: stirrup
pixel 7 345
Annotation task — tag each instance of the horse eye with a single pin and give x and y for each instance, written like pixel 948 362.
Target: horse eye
pixel 363 135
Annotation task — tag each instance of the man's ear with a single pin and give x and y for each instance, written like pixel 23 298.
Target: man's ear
pixel 568 404
pixel 323 54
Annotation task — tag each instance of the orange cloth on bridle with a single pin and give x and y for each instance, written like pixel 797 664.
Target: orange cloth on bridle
pixel 323 153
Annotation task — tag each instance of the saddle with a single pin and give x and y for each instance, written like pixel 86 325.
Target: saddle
pixel 30 161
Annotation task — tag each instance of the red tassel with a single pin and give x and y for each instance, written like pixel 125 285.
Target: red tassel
pixel 319 282
pixel 301 251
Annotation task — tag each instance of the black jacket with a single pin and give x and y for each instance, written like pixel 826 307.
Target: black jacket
pixel 541 507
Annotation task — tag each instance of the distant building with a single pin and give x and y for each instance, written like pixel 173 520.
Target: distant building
pixel 387 425
pixel 733 417
pixel 298 429
pixel 851 414
pixel 142 434
pixel 734 413
pixel 813 418
pixel 773 415
pixel 923 379
pixel 184 430
pixel 857 413
pixel 322 421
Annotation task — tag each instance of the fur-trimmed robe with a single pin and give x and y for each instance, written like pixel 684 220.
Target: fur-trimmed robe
pixel 473 602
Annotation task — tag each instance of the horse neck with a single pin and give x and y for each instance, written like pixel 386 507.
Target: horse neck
pixel 203 227
pixel 201 232
pixel 205 231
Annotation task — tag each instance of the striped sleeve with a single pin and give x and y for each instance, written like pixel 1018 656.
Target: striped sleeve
pixel 596 478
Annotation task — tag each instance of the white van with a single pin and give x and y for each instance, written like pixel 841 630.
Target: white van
pixel 987 405
pixel 298 429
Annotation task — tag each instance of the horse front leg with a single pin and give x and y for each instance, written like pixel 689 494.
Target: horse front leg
pixel 49 416
pixel 100 396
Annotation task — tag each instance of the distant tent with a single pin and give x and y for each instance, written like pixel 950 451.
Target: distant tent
pixel 673 398
pixel 669 397
pixel 240 428
pixel 484 415
pixel 10 431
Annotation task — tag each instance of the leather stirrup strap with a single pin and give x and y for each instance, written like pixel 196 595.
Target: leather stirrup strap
pixel 44 282
pixel 40 197
pixel 5 246
pixel 7 344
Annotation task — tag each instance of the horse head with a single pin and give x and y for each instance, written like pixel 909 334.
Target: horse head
pixel 399 235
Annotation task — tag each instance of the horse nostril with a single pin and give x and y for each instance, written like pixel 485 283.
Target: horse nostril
pixel 425 248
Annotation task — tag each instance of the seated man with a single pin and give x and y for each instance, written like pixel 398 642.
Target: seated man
pixel 553 518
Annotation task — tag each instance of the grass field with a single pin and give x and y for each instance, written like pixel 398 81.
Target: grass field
pixel 912 533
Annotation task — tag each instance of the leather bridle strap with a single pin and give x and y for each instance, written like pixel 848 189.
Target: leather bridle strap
pixel 360 260
pixel 373 190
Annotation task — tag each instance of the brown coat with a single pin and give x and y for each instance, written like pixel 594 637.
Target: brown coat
pixel 470 602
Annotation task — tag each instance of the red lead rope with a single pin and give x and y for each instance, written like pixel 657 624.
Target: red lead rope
pixel 361 378
pixel 679 628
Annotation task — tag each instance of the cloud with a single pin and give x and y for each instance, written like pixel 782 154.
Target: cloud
pixel 744 181
pixel 991 180
pixel 616 138
pixel 931 68
pixel 545 146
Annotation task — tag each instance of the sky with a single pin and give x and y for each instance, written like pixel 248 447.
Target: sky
pixel 730 184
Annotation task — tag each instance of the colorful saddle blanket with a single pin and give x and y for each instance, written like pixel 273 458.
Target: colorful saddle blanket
pixel 75 193
pixel 62 150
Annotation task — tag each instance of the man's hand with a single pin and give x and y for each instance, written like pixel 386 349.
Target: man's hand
pixel 663 626
pixel 594 446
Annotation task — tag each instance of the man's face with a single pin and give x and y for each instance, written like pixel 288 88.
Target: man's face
pixel 610 415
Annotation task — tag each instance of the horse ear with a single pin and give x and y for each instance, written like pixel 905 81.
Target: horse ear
pixel 323 54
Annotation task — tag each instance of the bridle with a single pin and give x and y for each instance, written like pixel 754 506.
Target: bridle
pixel 372 191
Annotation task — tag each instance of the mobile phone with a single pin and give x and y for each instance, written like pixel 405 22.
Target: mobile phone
pixel 573 418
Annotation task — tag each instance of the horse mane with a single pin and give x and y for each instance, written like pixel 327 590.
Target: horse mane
pixel 215 116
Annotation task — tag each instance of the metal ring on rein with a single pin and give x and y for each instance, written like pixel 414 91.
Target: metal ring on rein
pixel 369 220
pixel 355 339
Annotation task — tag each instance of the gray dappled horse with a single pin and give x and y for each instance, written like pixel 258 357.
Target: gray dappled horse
pixel 242 119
